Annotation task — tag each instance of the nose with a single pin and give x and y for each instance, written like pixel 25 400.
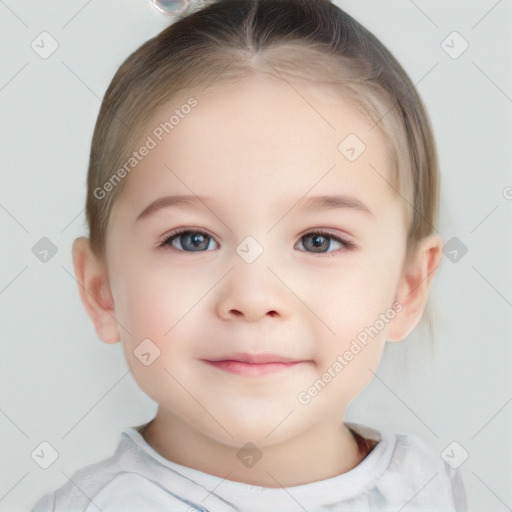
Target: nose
pixel 252 292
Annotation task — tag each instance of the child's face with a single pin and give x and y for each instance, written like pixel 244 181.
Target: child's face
pixel 257 153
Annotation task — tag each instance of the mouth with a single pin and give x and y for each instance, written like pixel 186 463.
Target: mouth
pixel 253 365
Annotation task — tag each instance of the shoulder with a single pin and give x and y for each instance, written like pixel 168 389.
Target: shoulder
pixel 81 487
pixel 125 475
pixel 418 476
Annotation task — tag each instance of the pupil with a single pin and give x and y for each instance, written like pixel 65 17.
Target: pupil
pixel 319 242
pixel 197 239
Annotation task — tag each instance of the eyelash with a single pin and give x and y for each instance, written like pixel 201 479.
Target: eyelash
pixel 347 245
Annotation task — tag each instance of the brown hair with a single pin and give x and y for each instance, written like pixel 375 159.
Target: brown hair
pixel 228 40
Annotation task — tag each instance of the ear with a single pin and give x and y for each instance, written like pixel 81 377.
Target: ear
pixel 94 288
pixel 412 291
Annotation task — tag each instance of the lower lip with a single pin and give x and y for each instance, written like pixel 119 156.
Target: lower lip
pixel 251 369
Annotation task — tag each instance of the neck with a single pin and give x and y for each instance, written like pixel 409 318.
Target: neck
pixel 325 451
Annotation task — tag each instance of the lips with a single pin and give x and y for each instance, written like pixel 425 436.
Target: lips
pixel 253 365
pixel 262 358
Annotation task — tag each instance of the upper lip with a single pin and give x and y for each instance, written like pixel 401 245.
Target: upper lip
pixel 256 358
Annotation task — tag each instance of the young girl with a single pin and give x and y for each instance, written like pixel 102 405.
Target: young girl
pixel 262 195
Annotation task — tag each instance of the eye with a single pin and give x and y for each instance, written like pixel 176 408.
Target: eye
pixel 321 242
pixel 188 241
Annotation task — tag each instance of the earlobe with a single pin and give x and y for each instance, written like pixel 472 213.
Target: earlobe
pixel 414 286
pixel 94 288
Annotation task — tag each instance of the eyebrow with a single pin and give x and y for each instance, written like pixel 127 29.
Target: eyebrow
pixel 169 201
pixel 318 203
pixel 315 203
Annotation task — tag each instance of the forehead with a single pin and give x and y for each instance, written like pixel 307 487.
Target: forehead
pixel 262 140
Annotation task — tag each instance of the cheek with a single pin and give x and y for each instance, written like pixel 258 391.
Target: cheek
pixel 146 303
pixel 152 307
pixel 355 301
pixel 358 310
pixel 353 296
pixel 158 302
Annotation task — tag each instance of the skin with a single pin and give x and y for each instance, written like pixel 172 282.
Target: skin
pixel 258 151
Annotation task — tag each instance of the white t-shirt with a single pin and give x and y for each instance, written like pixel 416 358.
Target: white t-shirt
pixel 400 473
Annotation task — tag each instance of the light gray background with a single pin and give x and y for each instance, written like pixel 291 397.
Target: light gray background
pixel 61 385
